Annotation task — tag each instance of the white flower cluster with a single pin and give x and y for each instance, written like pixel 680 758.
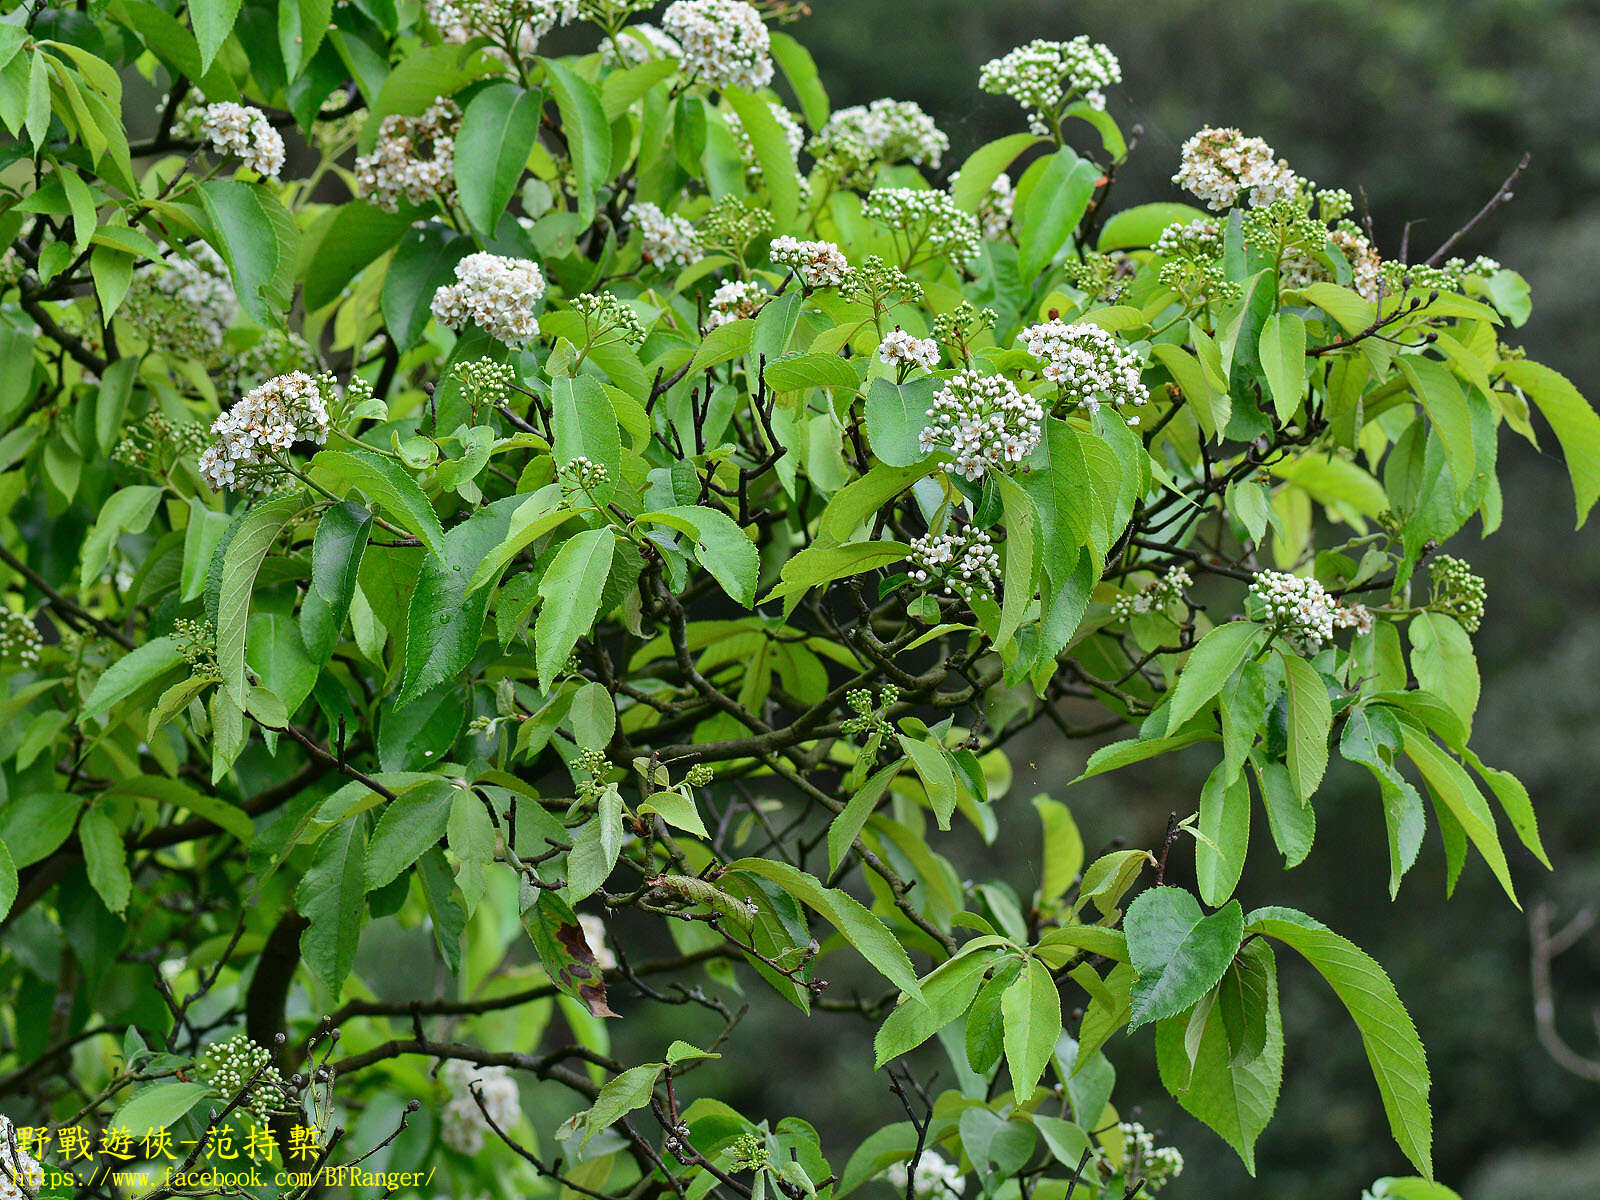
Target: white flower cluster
pixel 1154 597
pixel 1300 609
pixel 462 1124
pixel 232 1066
pixel 1155 1165
pixel 1088 363
pixel 414 158
pixel 594 933
pixel 1199 239
pixel 271 418
pixel 1042 75
pixel 639 44
pixel 734 299
pixel 935 1178
pixel 994 210
pixel 983 422
pixel 901 349
pixel 19 639
pixel 499 294
pixel 667 240
pixel 244 132
pixel 526 21
pixel 1366 266
pixel 965 559
pixel 793 135
pixel 886 131
pixel 818 264
pixel 200 285
pixel 725 43
pixel 931 219
pixel 21 1176
pixel 1221 165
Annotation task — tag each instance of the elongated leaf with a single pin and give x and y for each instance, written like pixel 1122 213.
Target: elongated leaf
pixel 497 133
pixel 105 859
pixel 1031 1010
pixel 259 241
pixel 1225 826
pixel 1178 952
pixel 1310 722
pixel 948 992
pixel 588 133
pixel 383 482
pixel 241 559
pixel 570 593
pixel 1211 662
pixel 336 553
pixel 719 544
pixel 1453 788
pixel 332 898
pixel 1283 361
pixel 131 672
pixel 1576 426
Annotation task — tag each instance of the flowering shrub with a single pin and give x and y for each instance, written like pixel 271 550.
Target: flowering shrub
pixel 496 543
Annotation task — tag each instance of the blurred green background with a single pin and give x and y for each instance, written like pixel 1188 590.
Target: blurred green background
pixel 1422 107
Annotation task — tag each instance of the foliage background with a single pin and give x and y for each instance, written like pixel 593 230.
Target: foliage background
pixel 1426 107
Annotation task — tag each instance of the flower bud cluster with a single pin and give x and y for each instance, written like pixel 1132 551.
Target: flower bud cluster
pixel 732 225
pixel 593 765
pixel 734 299
pixel 817 264
pixel 582 474
pixel 1088 364
pixel 956 329
pixel 462 1123
pixel 1454 589
pixel 901 349
pixel 245 133
pixel 197 640
pixel 228 1068
pixel 483 382
pixel 1159 596
pixel 268 420
pixel 413 158
pixel 725 43
pixel 1450 276
pixel 932 222
pixel 1044 76
pixel 886 131
pixel 699 775
pixel 1297 608
pixel 982 421
pixel 157 440
pixel 1199 239
pixel 20 641
pixel 667 241
pixel 522 23
pixel 498 294
pixel 1221 166
pixel 21 1176
pixel 964 560
pixel 605 318
pixel 876 283
pixel 934 1179
pixel 594 934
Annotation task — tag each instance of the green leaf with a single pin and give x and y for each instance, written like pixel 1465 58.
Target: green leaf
pixel 1393 1049
pixel 106 859
pixel 1210 664
pixel 1514 801
pixel 1446 405
pixel 258 239
pixel 938 777
pixel 586 427
pixel 853 817
pixel 412 822
pixel 213 22
pixel 354 237
pixel 1177 951
pixel 801 72
pixel 1444 664
pixel 820 563
pixel 1031 1011
pixel 984 165
pixel 1310 723
pixel 1235 1096
pixel 1022 556
pixel 1453 788
pixel 678 810
pixel 128 511
pixel 257 529
pixel 794 372
pixel 621 89
pixel 1282 347
pixel 1063 849
pixel 1053 210
pixel 1225 827
pixel 8 880
pixel 622 1095
pixel 1372 737
pixel 771 146
pixel 588 133
pixel 1143 224
pixel 497 133
pixel 570 592
pixel 947 991
pixel 1292 820
pixel 130 673
pixel 385 483
pixel 158 1106
pixel 332 897
pixel 567 957
pixel 1576 426
pixel 336 553
pixel 424 261
pixel 896 415
pixel 844 912
pixel 720 546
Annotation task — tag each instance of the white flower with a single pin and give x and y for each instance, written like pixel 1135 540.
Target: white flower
pixel 498 294
pixel 964 559
pixel 983 422
pixel 267 422
pixel 200 283
pixel 900 348
pixel 886 131
pixel 527 21
pixel 1155 597
pixel 935 1179
pixel 1087 363
pixel 1044 76
pixel 818 264
pixel 1300 609
pixel 462 1124
pixel 594 933
pixel 21 1176
pixel 413 158
pixel 245 133
pixel 1221 165
pixel 931 218
pixel 667 240
pixel 639 43
pixel 734 299
pixel 725 42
